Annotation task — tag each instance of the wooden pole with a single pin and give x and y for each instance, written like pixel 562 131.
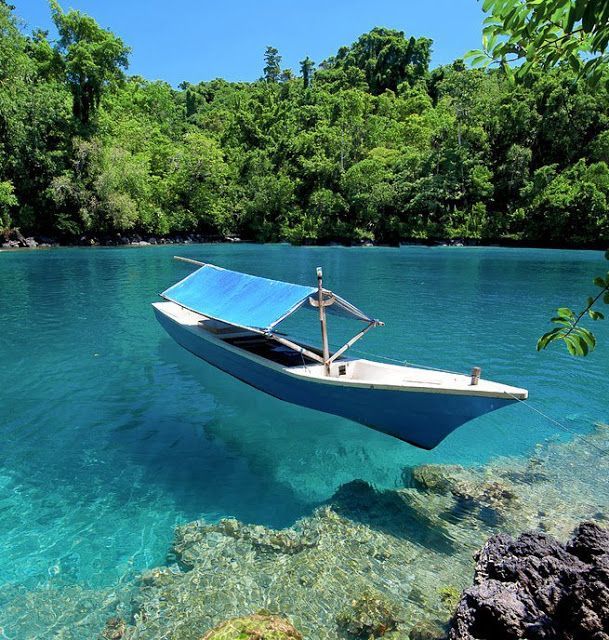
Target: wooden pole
pixel 351 342
pixel 322 321
pixel 293 345
pixel 189 260
pixel 476 371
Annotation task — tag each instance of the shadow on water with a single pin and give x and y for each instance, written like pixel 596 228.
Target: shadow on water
pixel 191 445
pixel 389 512
pixel 256 434
pixel 271 424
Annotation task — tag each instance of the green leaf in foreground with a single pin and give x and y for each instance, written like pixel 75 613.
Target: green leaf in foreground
pixel 578 340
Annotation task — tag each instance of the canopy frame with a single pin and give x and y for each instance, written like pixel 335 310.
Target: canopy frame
pixel 325 298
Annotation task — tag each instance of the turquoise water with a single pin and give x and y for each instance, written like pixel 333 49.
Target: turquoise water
pixel 111 434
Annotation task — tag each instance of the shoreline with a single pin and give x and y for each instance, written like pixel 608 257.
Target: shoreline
pixel 41 242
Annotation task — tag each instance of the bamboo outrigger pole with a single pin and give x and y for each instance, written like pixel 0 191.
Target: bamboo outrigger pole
pixel 322 321
pixel 190 260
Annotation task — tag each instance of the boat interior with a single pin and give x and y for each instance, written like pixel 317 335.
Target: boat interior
pixel 258 344
pixel 344 367
pixel 271 350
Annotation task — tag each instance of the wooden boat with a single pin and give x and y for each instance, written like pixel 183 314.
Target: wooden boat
pixel 230 320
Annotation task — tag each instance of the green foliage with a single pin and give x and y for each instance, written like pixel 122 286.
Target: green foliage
pixel 571 204
pixel 7 201
pixel 544 33
pixel 368 146
pixel 272 67
pixel 579 340
pixel 306 69
pixel 93 59
pixel 387 59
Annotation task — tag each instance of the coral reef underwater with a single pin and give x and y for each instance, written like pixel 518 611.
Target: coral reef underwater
pixel 372 563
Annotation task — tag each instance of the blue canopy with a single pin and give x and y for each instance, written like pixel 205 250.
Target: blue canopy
pixel 249 301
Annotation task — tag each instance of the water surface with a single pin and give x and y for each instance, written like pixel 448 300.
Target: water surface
pixel 111 434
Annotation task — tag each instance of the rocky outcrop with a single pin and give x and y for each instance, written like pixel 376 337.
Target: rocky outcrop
pixel 14 239
pixel 256 627
pixel 534 588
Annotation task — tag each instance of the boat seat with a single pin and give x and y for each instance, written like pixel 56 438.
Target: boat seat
pixel 217 327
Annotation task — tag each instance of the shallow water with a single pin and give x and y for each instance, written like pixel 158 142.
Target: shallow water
pixel 112 435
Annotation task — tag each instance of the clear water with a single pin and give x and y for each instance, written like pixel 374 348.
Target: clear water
pixel 111 434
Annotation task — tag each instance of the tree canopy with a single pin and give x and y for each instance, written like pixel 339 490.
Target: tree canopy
pixel 538 36
pixel 369 145
pixel 92 58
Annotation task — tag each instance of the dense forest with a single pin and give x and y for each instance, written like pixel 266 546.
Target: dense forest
pixel 368 145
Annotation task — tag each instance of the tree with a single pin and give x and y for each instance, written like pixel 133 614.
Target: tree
pixel 370 145
pixel 545 33
pixel 272 67
pixel 93 59
pixel 306 69
pixel 387 58
pixel 191 103
pixel 7 201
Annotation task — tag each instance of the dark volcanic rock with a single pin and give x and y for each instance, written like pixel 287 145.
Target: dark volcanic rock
pixel 536 588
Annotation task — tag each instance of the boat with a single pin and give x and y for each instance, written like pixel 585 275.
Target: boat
pixel 230 320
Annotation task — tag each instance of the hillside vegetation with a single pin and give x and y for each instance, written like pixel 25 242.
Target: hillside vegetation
pixel 368 145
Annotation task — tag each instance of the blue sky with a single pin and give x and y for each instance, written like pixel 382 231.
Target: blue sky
pixel 198 40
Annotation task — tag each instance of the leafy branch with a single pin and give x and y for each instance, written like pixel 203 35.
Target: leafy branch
pixel 543 33
pixel 578 340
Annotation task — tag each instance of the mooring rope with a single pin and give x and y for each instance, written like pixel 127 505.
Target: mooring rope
pixel 559 424
pixel 527 403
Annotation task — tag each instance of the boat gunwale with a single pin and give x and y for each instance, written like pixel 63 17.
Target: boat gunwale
pixel 300 372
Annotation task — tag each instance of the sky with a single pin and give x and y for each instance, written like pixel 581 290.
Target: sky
pixel 197 40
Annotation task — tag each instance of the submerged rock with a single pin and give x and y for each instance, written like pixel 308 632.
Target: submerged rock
pixel 115 629
pixel 414 545
pixel 426 630
pixel 535 587
pixel 262 539
pixel 255 627
pixel 490 500
pixel 436 478
pixel 371 615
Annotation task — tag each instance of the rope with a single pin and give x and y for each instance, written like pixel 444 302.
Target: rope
pixel 562 426
pixel 304 364
pixel 529 406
